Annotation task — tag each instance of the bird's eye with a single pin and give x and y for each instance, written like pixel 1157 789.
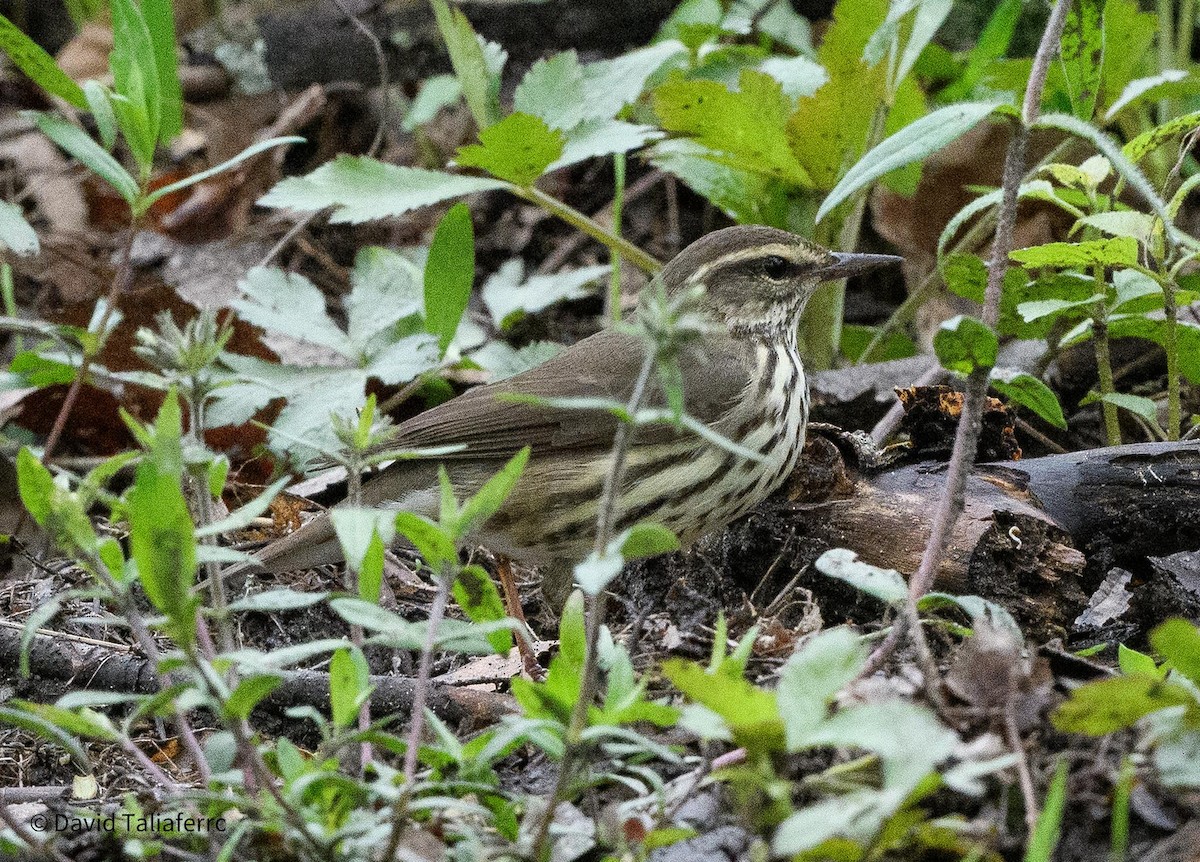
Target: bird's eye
pixel 776 267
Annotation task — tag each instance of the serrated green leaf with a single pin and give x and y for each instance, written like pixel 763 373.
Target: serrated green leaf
pixel 751 713
pixel 964 344
pixel 518 149
pixel 912 143
pixel 450 272
pixel 288 302
pixel 1117 251
pixel 1029 392
pixel 1081 53
pixel 1128 223
pixel 362 189
pixel 829 130
pixel 746 128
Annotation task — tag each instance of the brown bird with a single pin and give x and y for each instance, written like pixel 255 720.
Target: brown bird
pixel 743 378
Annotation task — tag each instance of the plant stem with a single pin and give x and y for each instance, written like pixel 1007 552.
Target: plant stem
pixel 630 252
pixel 594 622
pixel 613 300
pixel 120 280
pixel 1171 345
pixel 966 439
pixel 1112 425
pixel 1166 47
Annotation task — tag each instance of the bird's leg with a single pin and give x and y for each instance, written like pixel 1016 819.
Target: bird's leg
pixel 512 603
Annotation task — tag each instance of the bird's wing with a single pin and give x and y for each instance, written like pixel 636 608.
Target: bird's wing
pixel 606 365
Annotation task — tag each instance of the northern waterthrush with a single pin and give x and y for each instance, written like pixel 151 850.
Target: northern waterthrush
pixel 743 378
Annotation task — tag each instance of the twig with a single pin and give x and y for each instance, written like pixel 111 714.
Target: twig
pixel 381 61
pixel 1013 736
pixel 634 191
pixel 966 439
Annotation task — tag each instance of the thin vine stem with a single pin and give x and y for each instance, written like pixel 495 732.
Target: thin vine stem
pixel 630 252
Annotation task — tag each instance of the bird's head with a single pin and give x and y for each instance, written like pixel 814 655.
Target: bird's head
pixel 758 278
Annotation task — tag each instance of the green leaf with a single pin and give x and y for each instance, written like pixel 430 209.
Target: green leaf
pixel 1133 662
pixel 357 528
pixel 1136 90
pixel 349 685
pixel 746 197
pixel 509 295
pixel 477 595
pixel 200 176
pixel 1129 35
pixel 1149 141
pixel 1109 149
pixel 288 302
pixel 91 155
pixel 518 149
pixel 1137 405
pixel 386 288
pixel 1178 641
pixel 437 92
pixel 249 693
pixel 487 500
pixel 281 599
pixel 433 542
pixel 31 59
pixel 751 713
pixel 363 189
pixel 887 585
pixel 160 20
pixel 1029 392
pixel 746 128
pixel 15 232
pixel 913 24
pixel 991 45
pixel 450 272
pixel 399 632
pixel 829 130
pixel 161 534
pixel 1109 705
pixel 1128 223
pixel 1081 52
pixel 136 81
pixel 1048 829
pixel 480 79
pixel 1117 251
pixel 912 143
pixel 597 571
pixel 812 677
pixel 964 344
pixel 646 540
pixel 370 573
